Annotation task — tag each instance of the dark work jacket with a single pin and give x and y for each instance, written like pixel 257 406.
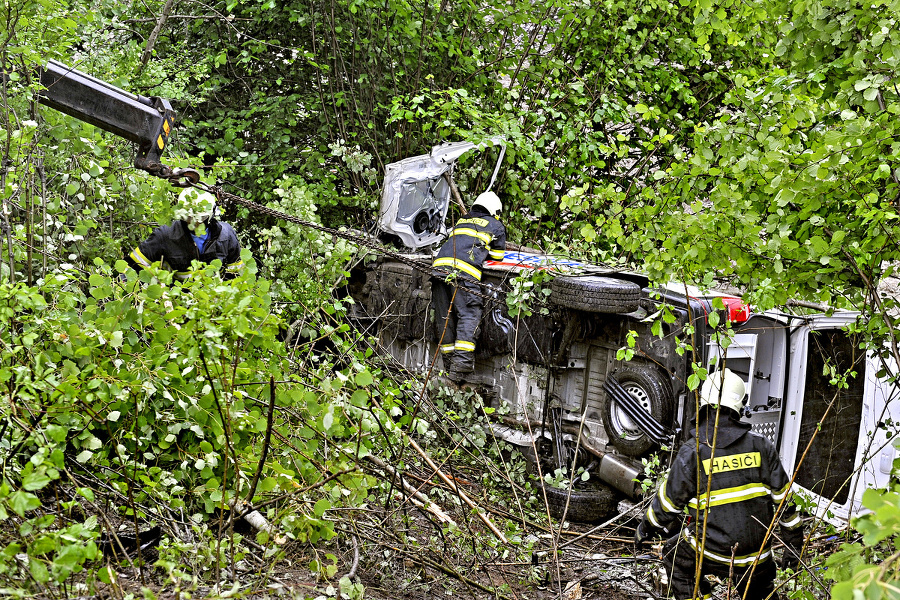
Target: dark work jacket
pixel 748 484
pixel 475 238
pixel 175 248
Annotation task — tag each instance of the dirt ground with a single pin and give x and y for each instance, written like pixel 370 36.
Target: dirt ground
pixel 599 565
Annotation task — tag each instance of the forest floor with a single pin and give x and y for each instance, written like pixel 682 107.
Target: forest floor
pixel 397 551
pixel 392 548
pixel 598 566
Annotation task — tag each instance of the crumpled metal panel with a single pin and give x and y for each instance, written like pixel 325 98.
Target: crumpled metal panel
pixel 416 195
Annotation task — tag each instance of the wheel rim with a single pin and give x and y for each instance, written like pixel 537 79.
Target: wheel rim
pixel 622 423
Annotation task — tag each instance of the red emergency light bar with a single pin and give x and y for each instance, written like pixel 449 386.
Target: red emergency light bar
pixel 737 311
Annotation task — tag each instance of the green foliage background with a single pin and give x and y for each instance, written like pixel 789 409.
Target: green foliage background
pixel 754 142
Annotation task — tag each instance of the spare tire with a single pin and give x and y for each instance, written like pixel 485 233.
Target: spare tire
pixel 592 293
pixel 586 505
pixel 654 395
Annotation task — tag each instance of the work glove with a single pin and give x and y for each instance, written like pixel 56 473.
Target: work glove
pixel 793 546
pixel 790 559
pixel 641 534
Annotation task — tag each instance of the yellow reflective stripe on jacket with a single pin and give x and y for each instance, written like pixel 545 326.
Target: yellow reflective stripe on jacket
pixel 731 495
pixel 447 348
pixel 138 257
pixel 496 254
pixel 651 516
pixel 235 267
pixel 481 235
pixel 738 561
pixel 449 261
pixel 465 346
pixel 664 499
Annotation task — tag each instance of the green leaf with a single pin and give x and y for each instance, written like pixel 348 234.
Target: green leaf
pixel 320 507
pixel 21 502
pixel 57 433
pixel 364 378
pixel 35 480
pixel 105 574
pixel 38 570
pixel 693 381
pixel 589 233
pixel 115 339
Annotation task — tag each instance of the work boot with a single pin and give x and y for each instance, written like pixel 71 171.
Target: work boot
pixel 462 362
pixel 447 359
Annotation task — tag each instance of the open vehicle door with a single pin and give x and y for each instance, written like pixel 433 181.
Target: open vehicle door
pixel 836 437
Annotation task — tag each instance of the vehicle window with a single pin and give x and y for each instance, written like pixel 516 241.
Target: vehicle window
pixel 829 462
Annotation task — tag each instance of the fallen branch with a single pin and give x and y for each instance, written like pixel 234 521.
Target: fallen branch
pixel 255 519
pixel 416 497
pixel 462 495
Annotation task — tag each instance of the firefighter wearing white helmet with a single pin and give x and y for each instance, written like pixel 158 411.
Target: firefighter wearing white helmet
pixel 724 388
pixel 490 202
pixel 733 486
pixel 458 302
pixel 194 235
pixel 196 208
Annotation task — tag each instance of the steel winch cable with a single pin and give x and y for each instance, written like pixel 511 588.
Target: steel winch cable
pixel 227 198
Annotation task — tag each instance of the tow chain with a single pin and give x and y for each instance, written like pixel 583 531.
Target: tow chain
pixel 227 198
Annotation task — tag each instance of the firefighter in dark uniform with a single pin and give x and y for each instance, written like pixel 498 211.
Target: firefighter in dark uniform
pixel 475 238
pixel 749 486
pixel 195 235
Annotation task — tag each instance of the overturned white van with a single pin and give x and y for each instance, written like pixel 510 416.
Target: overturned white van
pixel 570 399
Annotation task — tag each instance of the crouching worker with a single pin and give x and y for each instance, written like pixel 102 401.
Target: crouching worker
pixel 746 485
pixel 458 302
pixel 195 235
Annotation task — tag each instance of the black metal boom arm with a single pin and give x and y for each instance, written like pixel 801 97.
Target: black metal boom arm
pixel 148 122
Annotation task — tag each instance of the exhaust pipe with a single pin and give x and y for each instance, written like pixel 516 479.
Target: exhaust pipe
pixel 616 471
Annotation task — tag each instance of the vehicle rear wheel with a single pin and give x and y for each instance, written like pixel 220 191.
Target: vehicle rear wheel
pixel 590 500
pixel 589 504
pixel 653 394
pixel 595 294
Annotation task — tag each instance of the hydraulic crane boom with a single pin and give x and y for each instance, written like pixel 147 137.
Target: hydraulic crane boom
pixel 146 121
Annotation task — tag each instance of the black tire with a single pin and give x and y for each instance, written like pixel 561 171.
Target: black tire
pixel 653 393
pixel 595 294
pixel 589 505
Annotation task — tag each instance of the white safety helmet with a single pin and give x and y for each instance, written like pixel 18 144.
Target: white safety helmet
pixel 723 388
pixel 195 207
pixel 490 202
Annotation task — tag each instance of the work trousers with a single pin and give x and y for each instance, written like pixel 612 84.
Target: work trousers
pixel 457 319
pixel 680 561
